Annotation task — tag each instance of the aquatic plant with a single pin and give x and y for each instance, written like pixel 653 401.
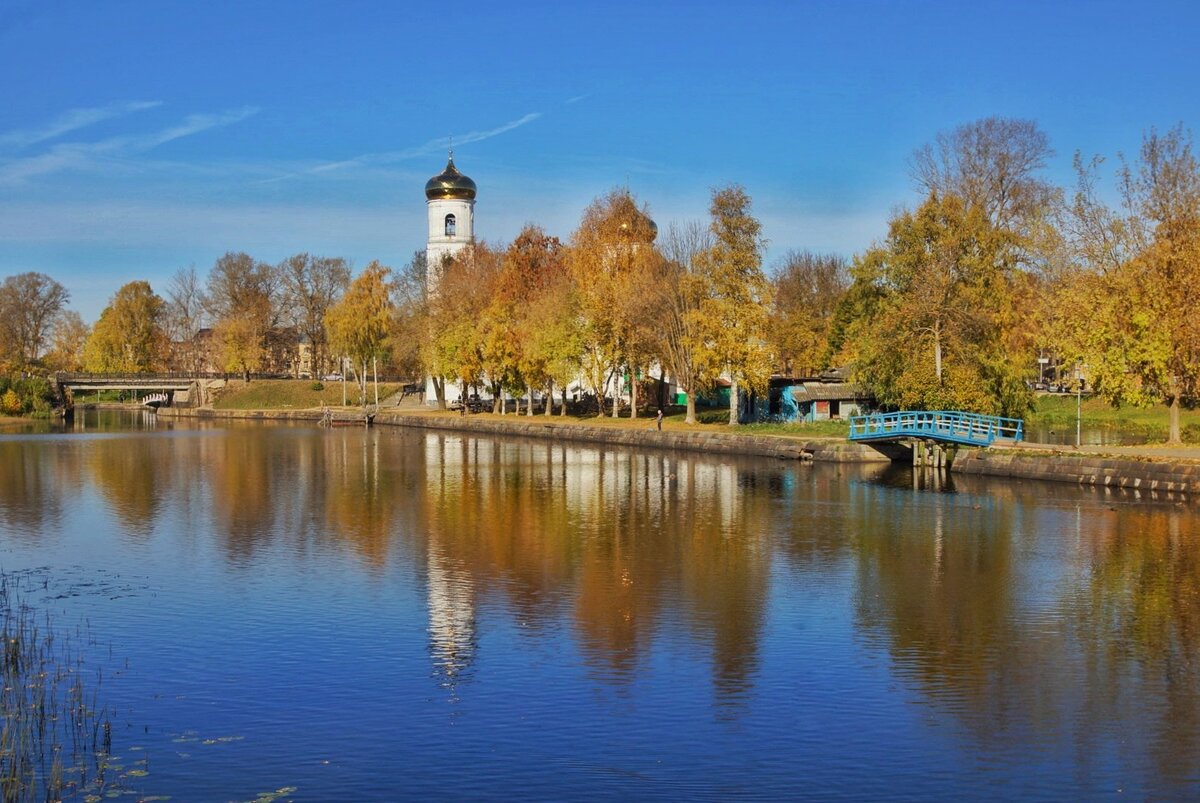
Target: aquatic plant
pixel 55 737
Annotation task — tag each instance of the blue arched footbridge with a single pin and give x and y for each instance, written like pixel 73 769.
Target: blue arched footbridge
pixel 941 426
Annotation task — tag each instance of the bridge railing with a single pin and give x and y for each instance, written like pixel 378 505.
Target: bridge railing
pixel 948 425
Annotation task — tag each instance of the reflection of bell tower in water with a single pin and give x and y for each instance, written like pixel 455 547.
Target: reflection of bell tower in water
pixel 451 616
pixel 450 200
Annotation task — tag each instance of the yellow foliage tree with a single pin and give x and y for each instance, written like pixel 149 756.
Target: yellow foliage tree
pixel 360 324
pixel 129 336
pixel 732 314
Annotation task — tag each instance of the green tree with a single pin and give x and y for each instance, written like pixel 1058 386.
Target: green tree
pixel 129 336
pixel 731 316
pixel 933 303
pixel 360 324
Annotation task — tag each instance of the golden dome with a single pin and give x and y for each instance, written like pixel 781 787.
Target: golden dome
pixel 642 227
pixel 450 184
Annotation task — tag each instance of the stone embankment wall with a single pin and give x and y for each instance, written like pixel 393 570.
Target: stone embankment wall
pixel 1084 469
pixel 833 450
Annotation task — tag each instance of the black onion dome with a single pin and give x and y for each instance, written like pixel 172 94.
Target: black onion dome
pixel 450 184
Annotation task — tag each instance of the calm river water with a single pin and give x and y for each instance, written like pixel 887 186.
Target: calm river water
pixel 383 615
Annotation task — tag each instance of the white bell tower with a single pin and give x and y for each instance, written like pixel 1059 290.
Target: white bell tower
pixel 450 198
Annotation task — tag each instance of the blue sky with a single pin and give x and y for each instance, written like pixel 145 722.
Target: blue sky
pixel 137 138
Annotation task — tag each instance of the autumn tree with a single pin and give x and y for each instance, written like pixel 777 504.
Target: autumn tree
pixel 992 164
pixel 239 346
pixel 242 290
pixel 184 318
pixel 553 337
pixel 68 336
pixel 461 328
pixel 29 303
pixel 310 287
pixel 996 164
pixel 611 259
pixel 1130 308
pixel 359 325
pixel 731 316
pixel 129 336
pixel 678 295
pixel 531 270
pixel 410 325
pixel 933 305
pixel 808 288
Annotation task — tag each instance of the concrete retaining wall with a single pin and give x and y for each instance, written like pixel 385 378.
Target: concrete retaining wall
pixel 1115 472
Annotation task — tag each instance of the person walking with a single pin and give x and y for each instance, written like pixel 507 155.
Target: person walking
pixel 658 420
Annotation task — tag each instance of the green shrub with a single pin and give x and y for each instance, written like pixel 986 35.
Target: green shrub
pixel 1191 433
pixel 317 386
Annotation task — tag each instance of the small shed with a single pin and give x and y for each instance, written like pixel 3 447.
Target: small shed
pixel 792 399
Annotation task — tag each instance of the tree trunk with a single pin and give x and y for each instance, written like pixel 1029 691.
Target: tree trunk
pixel 691 408
pixel 937 352
pixel 550 399
pixel 632 394
pixel 563 411
pixel 439 391
pixel 1174 435
pixel 733 402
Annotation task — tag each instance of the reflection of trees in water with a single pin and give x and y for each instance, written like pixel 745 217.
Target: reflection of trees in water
pixel 30 489
pixel 244 468
pixel 1138 618
pixel 1043 623
pixel 134 477
pixel 622 541
pixel 936 575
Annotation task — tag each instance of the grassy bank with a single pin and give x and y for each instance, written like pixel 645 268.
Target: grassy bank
pixel 293 394
pixel 1150 423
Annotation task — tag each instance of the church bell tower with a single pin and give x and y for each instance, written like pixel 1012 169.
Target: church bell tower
pixel 450 198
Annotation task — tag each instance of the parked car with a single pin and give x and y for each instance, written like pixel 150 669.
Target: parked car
pixel 332 377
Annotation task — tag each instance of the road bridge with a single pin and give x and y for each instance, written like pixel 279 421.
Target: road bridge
pixel 67 385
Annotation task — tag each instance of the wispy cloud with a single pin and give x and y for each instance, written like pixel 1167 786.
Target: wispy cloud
pixel 81 155
pixel 576 99
pixel 72 120
pixel 432 146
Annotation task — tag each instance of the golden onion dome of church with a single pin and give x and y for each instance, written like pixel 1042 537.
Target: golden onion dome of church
pixel 450 184
pixel 640 227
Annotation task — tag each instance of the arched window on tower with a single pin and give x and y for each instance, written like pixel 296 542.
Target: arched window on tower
pixel 450 225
